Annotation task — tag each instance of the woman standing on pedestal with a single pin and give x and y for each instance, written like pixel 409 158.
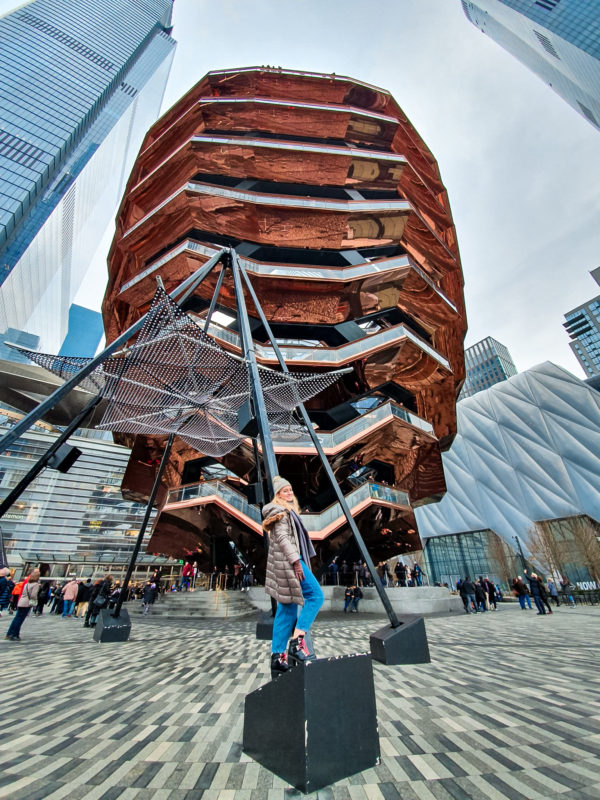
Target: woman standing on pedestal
pixel 289 578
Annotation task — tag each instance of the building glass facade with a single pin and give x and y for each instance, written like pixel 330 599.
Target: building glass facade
pixel 523 465
pixel 80 82
pixel 583 326
pixel 475 553
pixel 559 40
pixel 488 362
pixel 80 516
pixel 84 333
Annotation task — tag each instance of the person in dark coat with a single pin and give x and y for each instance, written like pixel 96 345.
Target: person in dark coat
pixel 491 593
pixel 536 591
pixel 348 596
pixel 149 596
pixel 544 595
pixel 100 599
pixel 480 596
pixel 6 587
pixel 42 599
pixel 400 572
pixel 460 588
pixel 469 590
pixel 356 598
pixel 84 594
pixel 520 590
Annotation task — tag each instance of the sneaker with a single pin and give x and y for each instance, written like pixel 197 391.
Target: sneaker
pixel 279 664
pixel 299 652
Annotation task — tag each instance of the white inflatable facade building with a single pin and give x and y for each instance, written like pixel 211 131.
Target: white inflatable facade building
pixel 527 450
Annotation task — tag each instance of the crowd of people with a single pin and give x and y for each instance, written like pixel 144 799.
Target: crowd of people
pixel 478 595
pixel 341 573
pixel 239 578
pixel 482 594
pixel 541 592
pixel 72 598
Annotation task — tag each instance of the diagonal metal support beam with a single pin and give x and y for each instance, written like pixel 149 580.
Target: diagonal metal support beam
pixel 42 462
pixel 326 465
pixel 140 538
pixel 184 289
pixel 258 400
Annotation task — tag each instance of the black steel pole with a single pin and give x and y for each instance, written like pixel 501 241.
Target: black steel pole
pixel 187 286
pixel 335 485
pixel 520 549
pixel 138 543
pixel 258 399
pixel 3 557
pixel 42 462
pixel 215 297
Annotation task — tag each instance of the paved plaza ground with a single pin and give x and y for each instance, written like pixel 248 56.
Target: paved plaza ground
pixel 508 708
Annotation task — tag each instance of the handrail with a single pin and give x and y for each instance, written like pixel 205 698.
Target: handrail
pixel 331 440
pixel 332 355
pixel 313 522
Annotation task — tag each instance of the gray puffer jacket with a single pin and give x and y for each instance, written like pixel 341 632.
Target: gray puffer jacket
pixel 284 550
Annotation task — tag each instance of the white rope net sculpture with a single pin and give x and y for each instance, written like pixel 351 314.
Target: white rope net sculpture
pixel 176 379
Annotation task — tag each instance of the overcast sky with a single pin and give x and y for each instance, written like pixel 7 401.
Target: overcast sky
pixel 521 167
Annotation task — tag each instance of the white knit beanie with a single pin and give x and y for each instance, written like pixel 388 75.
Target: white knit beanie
pixel 279 483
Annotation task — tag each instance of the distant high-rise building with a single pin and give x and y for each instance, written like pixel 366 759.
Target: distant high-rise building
pixel 487 362
pixel 84 334
pixel 559 40
pixel 80 82
pixel 14 336
pixel 583 326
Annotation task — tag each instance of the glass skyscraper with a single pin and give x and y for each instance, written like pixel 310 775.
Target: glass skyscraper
pixel 559 40
pixel 583 326
pixel 80 82
pixel 72 522
pixel 487 362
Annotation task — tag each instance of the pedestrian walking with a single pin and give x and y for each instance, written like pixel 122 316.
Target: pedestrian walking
pixel 536 592
pixel 553 591
pixel 468 587
pixel 400 572
pixel 69 595
pixel 99 600
pixel 84 593
pixel 567 589
pixel 43 597
pixel 491 594
pixel 480 597
pixel 6 587
pixel 520 591
pixel 149 596
pixel 25 603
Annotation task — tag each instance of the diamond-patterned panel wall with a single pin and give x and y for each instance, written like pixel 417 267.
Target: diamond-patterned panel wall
pixel 526 450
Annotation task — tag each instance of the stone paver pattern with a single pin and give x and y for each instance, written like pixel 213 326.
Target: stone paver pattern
pixel 508 708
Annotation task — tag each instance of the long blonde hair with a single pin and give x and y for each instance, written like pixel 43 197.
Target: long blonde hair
pixel 293 506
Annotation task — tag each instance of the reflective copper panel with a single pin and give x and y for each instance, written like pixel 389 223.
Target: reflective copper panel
pixel 337 210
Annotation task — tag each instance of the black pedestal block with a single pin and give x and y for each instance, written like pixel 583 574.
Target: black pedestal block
pixel 316 724
pixel 264 627
pixel 406 644
pixel 112 629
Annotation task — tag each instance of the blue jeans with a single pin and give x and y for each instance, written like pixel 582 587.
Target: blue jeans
pixel 539 604
pixel 17 621
pixel 68 608
pixel 471 599
pixel 287 617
